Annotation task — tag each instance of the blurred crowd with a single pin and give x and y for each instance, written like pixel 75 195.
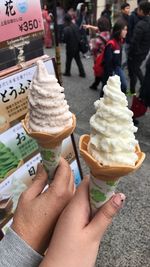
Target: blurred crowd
pixel 106 42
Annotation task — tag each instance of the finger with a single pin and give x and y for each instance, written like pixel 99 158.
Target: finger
pixel 39 182
pixel 61 181
pixel 104 216
pixel 80 203
pixel 72 186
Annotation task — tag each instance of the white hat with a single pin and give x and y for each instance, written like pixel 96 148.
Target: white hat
pixel 79 6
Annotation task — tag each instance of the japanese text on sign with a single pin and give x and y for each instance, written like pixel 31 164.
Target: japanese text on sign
pixel 14 92
pixel 23 15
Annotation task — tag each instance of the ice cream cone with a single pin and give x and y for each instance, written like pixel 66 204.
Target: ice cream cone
pixel 50 144
pixel 104 178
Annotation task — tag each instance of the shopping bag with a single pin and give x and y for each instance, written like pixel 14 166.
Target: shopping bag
pixel 83 45
pixel 138 107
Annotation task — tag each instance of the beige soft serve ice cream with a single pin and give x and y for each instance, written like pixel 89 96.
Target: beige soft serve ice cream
pixel 48 109
pixel 112 140
pixel 49 120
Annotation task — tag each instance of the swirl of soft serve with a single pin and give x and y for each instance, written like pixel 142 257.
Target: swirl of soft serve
pixel 112 140
pixel 48 109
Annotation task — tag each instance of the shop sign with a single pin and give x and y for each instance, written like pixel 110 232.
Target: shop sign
pixel 14 94
pixel 19 18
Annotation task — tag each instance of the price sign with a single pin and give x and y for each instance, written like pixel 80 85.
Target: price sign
pixel 23 16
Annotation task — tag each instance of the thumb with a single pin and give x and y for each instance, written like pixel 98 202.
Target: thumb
pixel 39 182
pixel 104 216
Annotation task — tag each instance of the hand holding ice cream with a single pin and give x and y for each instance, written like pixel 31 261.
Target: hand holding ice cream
pixel 111 150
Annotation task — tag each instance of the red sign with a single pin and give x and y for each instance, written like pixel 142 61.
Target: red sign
pixel 19 17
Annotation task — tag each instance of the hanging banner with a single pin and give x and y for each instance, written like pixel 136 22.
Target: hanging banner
pixel 19 18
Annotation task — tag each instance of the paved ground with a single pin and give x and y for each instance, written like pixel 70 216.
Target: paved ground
pixel 127 242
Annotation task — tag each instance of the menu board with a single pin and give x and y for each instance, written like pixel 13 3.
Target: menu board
pixel 19 154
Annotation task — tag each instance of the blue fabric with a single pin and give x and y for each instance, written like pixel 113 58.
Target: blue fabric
pixel 120 73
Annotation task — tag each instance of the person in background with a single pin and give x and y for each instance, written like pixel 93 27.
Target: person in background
pixel 72 40
pixel 82 19
pixel 134 18
pixel 113 55
pixel 145 89
pixel 60 21
pixel 102 36
pixel 72 13
pixel 125 11
pixel 144 95
pixel 47 31
pixel 98 44
pixel 139 46
pixel 76 233
pixel 107 12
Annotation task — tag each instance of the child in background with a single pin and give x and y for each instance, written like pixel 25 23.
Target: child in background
pixel 97 45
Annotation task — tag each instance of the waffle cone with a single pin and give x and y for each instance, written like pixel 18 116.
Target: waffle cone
pixel 49 140
pixel 107 173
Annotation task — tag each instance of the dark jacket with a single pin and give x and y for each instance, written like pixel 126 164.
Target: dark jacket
pixel 107 14
pixel 112 59
pixel 81 19
pixel 140 43
pixel 145 90
pixel 71 38
pixel 133 20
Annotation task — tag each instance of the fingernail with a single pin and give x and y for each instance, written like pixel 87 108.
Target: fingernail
pixel 118 199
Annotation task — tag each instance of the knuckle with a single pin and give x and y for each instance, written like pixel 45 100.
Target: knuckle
pixel 67 171
pixel 109 212
pixel 23 197
pixel 60 192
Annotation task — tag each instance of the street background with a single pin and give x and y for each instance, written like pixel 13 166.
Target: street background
pixel 127 242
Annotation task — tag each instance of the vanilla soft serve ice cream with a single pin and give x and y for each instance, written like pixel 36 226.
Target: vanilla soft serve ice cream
pixel 112 140
pixel 48 109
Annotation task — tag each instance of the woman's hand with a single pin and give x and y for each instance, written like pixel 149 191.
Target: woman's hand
pixel 90 27
pixel 37 212
pixel 76 238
